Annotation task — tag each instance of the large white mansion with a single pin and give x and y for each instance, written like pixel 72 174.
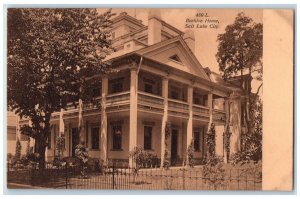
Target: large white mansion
pixel 159 81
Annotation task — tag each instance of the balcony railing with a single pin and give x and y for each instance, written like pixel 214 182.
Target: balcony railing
pixel 178 108
pixel 200 111
pixel 150 99
pixel 150 102
pixel 95 105
pixel 219 115
pixel 118 98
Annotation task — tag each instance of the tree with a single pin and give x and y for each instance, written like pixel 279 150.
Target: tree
pixel 240 48
pixel 240 51
pixel 52 53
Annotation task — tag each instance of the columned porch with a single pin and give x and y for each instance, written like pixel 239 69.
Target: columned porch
pixel 135 105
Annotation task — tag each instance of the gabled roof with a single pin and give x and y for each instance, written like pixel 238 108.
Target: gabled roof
pixel 175 42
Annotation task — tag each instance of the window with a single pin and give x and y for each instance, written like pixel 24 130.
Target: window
pixel 148 88
pixel 176 58
pixel 147 137
pixel 174 94
pixel 197 140
pixel 95 137
pixel 117 85
pixel 148 85
pixel 117 137
pixel 197 100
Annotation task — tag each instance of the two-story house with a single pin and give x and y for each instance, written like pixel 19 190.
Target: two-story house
pixel 159 80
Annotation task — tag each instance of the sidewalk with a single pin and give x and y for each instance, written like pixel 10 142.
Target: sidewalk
pixel 22 186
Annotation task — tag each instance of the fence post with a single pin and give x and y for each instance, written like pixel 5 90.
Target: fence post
pixel 31 172
pixel 183 178
pixel 246 179
pixel 254 172
pixel 66 170
pixel 238 179
pixel 8 178
pixel 113 175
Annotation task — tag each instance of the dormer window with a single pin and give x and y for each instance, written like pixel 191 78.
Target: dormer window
pixel 176 59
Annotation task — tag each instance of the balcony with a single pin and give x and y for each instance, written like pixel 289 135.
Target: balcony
pixel 150 103
pixel 219 116
pixel 178 108
pixel 200 112
pixel 118 101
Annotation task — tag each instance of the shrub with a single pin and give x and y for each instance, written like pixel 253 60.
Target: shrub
pixel 94 165
pixel 18 150
pixel 143 158
pixel 190 154
pixel 166 164
pixel 81 152
pixel 210 140
pixel 71 161
pixel 214 172
pixel 60 146
pixel 227 135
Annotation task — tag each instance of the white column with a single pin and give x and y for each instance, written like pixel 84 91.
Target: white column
pixel 61 123
pixel 80 119
pixel 103 136
pixel 210 106
pixel 133 113
pixel 189 131
pixel 32 140
pixel 165 84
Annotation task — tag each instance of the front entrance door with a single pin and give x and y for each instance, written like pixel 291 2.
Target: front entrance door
pixel 75 140
pixel 174 144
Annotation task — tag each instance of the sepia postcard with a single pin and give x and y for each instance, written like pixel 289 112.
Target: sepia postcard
pixel 150 99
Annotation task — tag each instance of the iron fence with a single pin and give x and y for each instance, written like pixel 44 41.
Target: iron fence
pixel 113 177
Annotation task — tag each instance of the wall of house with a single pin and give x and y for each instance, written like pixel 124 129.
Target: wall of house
pixel 219 140
pixel 93 122
pixel 118 154
pixel 156 134
pixel 202 129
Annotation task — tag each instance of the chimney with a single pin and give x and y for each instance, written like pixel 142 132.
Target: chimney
pixel 189 39
pixel 154 26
